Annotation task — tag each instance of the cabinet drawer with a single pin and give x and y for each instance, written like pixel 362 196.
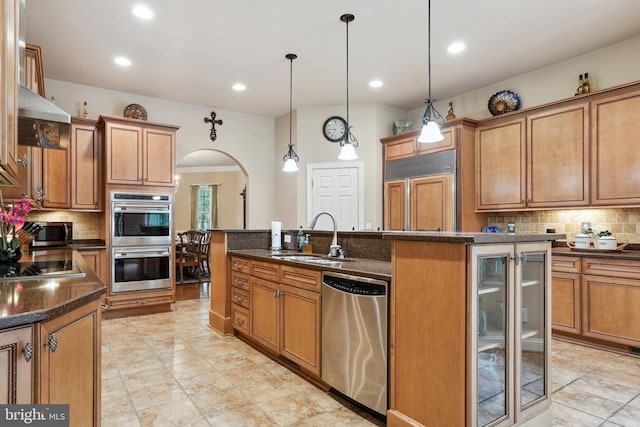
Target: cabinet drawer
pixel 140 300
pixel 265 270
pixel 240 318
pixel 240 281
pixel 301 278
pixel 240 264
pixel 240 297
pixel 565 264
pixel 627 269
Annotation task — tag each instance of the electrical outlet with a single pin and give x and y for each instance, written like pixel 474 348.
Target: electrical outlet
pixel 585 227
pixel 525 315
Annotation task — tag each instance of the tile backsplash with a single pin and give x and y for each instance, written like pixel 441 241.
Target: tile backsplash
pixel 86 225
pixel 623 223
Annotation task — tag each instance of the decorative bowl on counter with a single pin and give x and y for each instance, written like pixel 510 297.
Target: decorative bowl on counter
pixel 503 102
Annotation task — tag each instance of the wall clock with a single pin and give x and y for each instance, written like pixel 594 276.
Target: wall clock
pixel 334 128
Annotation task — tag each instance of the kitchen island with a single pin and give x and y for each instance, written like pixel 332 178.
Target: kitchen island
pixel 470 329
pixel 50 320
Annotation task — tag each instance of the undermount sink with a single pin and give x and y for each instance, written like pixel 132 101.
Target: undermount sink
pixel 314 259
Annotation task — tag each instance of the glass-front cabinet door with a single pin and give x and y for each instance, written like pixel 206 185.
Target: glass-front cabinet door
pixel 533 270
pixel 510 327
pixel 492 311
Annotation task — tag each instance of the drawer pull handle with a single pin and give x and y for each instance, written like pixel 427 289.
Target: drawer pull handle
pixel 28 351
pixel 240 321
pixel 52 343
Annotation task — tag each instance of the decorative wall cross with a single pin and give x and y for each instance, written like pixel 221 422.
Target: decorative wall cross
pixel 213 122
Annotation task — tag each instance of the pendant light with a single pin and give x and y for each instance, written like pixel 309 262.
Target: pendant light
pixel 349 143
pixel 291 158
pixel 431 120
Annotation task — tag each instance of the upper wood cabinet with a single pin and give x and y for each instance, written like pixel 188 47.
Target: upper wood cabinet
pixel 406 145
pixel 615 157
pixel 537 161
pixel 8 91
pixel 139 153
pixel 501 165
pixel 56 167
pixel 87 191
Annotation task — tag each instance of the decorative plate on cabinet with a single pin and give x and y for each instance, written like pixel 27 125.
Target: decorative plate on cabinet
pixel 502 102
pixel 135 111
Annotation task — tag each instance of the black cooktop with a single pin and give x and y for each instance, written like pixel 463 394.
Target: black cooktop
pixel 39 269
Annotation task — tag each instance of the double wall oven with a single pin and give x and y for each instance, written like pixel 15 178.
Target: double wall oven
pixel 141 255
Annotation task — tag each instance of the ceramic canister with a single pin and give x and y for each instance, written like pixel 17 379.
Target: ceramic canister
pixel 583 241
pixel 606 242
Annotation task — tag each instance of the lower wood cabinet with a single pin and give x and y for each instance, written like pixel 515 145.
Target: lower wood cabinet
pixel 597 298
pixel 96 259
pixel 69 364
pixel 16 366
pixel 282 313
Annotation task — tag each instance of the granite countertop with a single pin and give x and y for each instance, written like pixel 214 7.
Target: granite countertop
pixel 357 266
pixel 470 238
pixel 26 300
pixel 631 252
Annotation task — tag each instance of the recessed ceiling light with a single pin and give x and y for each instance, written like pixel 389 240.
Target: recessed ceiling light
pixel 376 83
pixel 456 47
pixel 142 11
pixel 239 87
pixel 121 60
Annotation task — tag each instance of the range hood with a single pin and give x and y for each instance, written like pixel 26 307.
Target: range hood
pixel 41 123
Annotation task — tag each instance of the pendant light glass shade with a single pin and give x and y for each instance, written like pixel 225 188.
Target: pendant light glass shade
pixel 432 120
pixel 290 165
pixel 291 158
pixel 347 152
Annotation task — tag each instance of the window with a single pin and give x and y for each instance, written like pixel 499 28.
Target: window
pixel 204 207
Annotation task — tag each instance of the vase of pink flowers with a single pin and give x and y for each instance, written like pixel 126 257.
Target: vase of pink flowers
pixel 10 219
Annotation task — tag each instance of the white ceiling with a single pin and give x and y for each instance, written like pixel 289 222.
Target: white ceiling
pixel 194 50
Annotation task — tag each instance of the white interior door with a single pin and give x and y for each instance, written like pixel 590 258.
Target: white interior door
pixel 336 188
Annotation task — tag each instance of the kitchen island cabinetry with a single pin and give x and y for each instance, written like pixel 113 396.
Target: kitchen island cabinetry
pixel 69 364
pixel 615 131
pixel 283 308
pixel 486 335
pixel 139 153
pixel 16 366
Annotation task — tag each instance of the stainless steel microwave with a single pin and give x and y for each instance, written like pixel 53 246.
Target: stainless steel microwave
pixel 52 233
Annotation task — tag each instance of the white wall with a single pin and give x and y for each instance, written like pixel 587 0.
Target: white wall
pixel 248 139
pixel 607 67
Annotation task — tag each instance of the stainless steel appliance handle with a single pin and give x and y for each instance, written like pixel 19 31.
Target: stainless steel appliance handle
pixel 141 208
pixel 135 253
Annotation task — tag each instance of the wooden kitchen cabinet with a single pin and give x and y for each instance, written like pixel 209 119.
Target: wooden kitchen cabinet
pixel 282 307
pixel 406 145
pixel 501 166
pixel 610 300
pixel 69 364
pixel 139 153
pixel 432 203
pixel 96 259
pixel 558 157
pixel 566 307
pixel 16 366
pixel 87 190
pixel 56 169
pixel 615 137
pixel 395 195
pixel 9 61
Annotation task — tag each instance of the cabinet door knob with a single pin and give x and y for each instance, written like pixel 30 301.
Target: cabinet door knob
pixel 52 343
pixel 28 351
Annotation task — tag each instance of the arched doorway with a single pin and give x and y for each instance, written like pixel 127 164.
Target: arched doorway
pixel 223 176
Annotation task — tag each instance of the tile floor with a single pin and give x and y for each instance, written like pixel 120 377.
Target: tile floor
pixel 170 369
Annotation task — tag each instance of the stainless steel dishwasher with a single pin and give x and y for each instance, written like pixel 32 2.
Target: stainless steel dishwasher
pixel 354 338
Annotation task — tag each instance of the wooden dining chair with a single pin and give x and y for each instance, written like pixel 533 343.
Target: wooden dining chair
pixel 188 253
pixel 205 245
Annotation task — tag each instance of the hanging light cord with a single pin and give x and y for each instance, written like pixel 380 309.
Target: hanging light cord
pixel 291 154
pixel 348 137
pixel 429 44
pixel 430 114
